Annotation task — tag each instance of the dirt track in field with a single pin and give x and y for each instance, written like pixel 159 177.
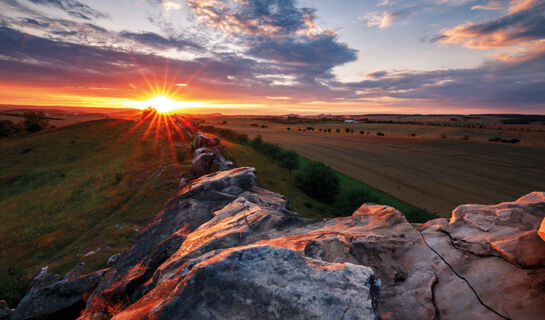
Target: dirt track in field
pixel 436 175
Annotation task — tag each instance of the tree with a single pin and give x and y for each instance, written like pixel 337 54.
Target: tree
pixel 318 181
pixel 7 128
pixel 35 121
pixel 289 160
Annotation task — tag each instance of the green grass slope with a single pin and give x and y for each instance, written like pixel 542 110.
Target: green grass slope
pixel 67 192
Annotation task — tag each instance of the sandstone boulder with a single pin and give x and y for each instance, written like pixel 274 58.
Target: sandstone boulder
pixel 203 140
pixel 43 278
pixel 202 164
pixel 61 300
pixel 76 272
pixel 508 230
pixel 261 282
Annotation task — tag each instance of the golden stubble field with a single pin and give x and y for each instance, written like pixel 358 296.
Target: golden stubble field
pixel 432 173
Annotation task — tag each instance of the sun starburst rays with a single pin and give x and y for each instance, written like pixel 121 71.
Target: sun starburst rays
pixel 159 105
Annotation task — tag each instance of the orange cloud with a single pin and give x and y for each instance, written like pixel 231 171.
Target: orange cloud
pixel 521 26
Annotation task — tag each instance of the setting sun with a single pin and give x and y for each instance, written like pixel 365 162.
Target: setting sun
pixel 162 104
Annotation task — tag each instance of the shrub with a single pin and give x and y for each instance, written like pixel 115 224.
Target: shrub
pixel 350 200
pixel 318 181
pixel 347 130
pixel 289 160
pixel 35 121
pixel 257 142
pixel 337 130
pixel 7 128
pixel 271 150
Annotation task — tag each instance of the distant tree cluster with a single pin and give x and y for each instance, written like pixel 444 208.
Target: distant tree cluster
pixel 35 121
pixel 7 128
pixel 32 122
pixel 498 139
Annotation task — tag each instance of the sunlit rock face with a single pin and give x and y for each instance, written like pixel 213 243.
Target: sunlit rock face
pixel 223 248
pixel 208 153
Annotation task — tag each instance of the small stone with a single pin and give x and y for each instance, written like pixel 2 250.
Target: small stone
pixel 76 272
pixel 112 260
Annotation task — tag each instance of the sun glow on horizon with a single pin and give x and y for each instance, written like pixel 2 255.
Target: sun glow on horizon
pixel 162 104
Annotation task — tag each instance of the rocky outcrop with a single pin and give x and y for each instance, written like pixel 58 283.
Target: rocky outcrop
pixel 61 300
pixel 43 278
pixel 224 248
pixel 206 140
pixel 207 155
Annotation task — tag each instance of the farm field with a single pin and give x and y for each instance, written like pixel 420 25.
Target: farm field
pixel 433 174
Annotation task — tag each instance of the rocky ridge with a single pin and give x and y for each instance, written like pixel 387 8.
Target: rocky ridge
pixel 222 247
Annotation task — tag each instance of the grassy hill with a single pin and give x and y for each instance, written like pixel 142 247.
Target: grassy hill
pixel 67 192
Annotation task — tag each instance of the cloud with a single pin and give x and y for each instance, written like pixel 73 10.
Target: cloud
pixel 74 8
pixel 379 19
pixel 521 5
pixel 491 5
pixel 279 32
pixel 496 84
pixel 157 41
pixel 171 5
pixel 47 63
pixel 377 74
pixel 524 22
pixel 87 33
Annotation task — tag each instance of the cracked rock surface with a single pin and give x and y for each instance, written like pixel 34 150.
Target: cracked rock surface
pixel 223 248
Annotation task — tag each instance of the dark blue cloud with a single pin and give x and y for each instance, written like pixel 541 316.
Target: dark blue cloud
pixel 157 41
pixel 313 57
pixel 279 32
pixel 494 84
pixel 74 8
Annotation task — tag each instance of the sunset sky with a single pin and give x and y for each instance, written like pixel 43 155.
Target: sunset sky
pixel 277 56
